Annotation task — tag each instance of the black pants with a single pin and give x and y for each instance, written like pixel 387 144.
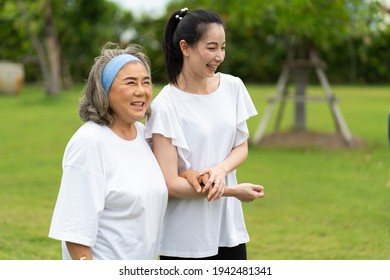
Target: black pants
pixel 224 253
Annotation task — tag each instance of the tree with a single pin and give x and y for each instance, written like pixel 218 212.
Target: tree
pixel 83 29
pixel 62 36
pixel 48 49
pixel 309 26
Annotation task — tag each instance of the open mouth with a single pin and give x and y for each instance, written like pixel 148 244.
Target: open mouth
pixel 212 66
pixel 138 104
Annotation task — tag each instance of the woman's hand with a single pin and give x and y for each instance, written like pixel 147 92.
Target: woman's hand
pixel 193 178
pixel 246 192
pixel 216 182
pixel 198 182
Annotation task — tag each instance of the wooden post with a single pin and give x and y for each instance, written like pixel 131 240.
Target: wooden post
pixel 300 70
pixel 340 124
pixel 301 77
pixel 281 88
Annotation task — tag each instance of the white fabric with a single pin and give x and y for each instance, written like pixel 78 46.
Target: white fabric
pixel 204 128
pixel 112 195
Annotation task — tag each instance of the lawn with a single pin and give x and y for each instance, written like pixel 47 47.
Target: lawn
pixel 319 204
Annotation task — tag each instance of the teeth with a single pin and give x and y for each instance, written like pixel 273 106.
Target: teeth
pixel 138 103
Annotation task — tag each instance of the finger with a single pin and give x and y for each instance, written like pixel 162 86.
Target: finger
pixel 205 178
pixel 215 192
pixel 206 188
pixel 209 184
pixel 219 192
pixel 195 184
pixel 219 184
pixel 213 195
pixel 197 187
pixel 260 194
pixel 205 171
pixel 258 188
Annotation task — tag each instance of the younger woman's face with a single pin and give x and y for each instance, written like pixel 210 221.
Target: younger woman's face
pixel 209 51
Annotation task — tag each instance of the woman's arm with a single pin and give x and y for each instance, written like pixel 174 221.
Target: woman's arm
pixel 168 159
pixel 79 251
pixel 246 192
pixel 218 173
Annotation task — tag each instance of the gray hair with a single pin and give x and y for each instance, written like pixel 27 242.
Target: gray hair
pixel 94 104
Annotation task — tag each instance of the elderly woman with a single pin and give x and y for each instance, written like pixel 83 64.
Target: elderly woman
pixel 113 196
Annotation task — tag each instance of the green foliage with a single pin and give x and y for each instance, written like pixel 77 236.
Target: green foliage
pixel 317 21
pixel 352 35
pixel 82 29
pixel 11 34
pixel 319 204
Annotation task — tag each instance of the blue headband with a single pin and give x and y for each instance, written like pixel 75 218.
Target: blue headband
pixel 113 67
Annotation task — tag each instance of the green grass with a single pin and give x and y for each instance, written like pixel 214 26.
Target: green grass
pixel 319 204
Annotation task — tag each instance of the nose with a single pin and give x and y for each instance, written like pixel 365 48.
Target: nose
pixel 220 56
pixel 140 90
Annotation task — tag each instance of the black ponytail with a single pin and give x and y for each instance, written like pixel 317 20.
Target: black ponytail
pixel 171 49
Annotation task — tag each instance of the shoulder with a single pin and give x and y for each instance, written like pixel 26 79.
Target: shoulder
pixel 90 130
pixel 165 100
pixel 230 79
pixel 89 135
pixel 232 84
pixel 166 94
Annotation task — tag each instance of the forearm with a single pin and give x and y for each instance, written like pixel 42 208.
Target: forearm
pixel 179 187
pixel 167 157
pixel 79 251
pixel 230 192
pixel 245 192
pixel 237 156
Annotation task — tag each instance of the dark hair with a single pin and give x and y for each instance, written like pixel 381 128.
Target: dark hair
pixel 188 27
pixel 94 105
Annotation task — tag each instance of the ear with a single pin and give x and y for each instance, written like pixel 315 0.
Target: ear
pixel 184 47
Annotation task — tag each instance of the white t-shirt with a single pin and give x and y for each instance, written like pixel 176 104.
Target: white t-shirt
pixel 204 128
pixel 112 196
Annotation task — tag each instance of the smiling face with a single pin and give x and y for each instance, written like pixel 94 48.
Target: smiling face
pixel 208 53
pixel 130 93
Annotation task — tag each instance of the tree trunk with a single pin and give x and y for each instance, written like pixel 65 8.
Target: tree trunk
pixel 49 57
pixel 301 74
pixel 299 61
pixel 53 51
pixel 67 80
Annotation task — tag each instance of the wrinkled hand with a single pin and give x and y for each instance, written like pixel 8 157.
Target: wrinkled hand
pixel 216 182
pixel 247 192
pixel 193 178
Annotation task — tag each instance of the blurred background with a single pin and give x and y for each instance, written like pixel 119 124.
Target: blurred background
pixel 327 193
pixel 56 41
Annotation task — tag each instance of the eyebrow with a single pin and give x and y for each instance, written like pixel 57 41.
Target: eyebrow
pixel 135 78
pixel 214 43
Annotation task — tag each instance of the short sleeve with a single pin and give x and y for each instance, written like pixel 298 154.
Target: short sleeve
pixel 81 197
pixel 164 120
pixel 245 110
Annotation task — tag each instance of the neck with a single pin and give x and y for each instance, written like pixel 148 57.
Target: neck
pixel 124 130
pixel 191 84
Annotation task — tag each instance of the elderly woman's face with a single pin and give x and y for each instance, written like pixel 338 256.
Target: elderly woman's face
pixel 130 93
